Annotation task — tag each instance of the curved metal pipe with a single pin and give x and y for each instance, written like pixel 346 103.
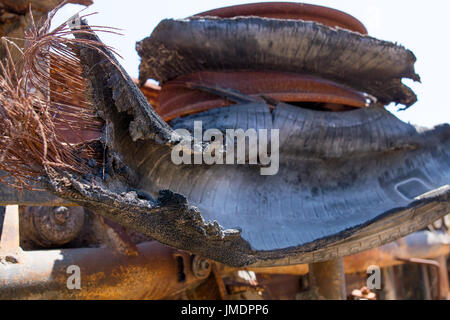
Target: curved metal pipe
pixel 155 273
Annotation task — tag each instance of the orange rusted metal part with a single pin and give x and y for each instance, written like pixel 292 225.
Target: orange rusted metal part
pixel 425 245
pixel 298 270
pixel 418 245
pixel 328 280
pixel 151 271
pixel 51 227
pixel 430 263
pixel 155 273
pixel 177 99
pixel 287 10
pixel 364 294
pixel 151 91
pixel 444 277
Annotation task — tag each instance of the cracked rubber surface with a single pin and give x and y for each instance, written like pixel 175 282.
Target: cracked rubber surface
pixel 348 182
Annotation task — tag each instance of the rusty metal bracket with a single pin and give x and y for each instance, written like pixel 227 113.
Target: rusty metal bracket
pixel 430 263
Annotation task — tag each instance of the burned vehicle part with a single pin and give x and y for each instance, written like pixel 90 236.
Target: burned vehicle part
pixel 146 271
pixel 150 270
pixel 348 181
pixel 316 133
pixel 179 98
pixel 51 227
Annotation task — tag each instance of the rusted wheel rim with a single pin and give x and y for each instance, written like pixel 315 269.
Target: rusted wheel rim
pixel 176 99
pixel 287 10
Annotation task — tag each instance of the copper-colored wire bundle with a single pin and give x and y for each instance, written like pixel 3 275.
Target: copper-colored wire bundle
pixel 46 120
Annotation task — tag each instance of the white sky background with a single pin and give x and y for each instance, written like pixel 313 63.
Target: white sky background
pixel 421 26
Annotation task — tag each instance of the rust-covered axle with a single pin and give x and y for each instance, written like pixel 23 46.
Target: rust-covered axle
pixel 154 271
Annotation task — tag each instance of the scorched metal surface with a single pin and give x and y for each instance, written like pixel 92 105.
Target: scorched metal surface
pixel 348 181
